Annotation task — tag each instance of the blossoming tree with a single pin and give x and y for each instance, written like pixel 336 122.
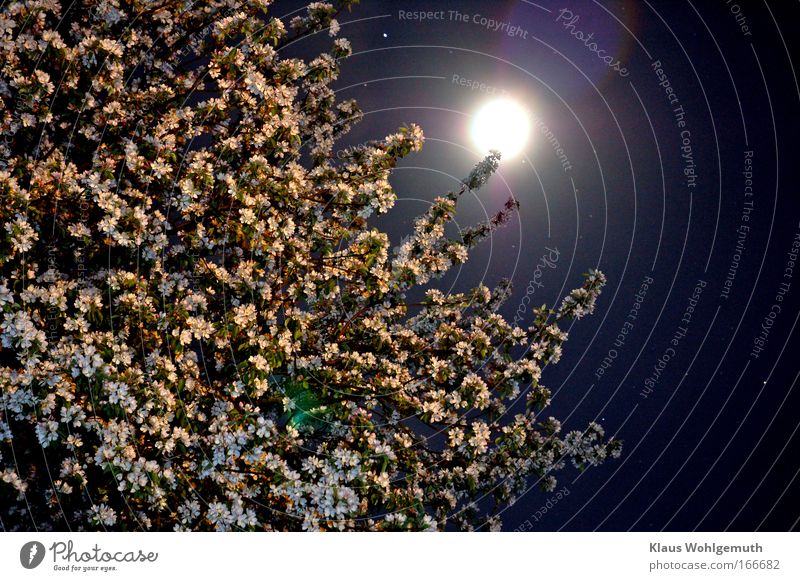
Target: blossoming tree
pixel 200 327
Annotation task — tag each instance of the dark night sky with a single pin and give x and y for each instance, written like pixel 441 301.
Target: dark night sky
pixel 713 446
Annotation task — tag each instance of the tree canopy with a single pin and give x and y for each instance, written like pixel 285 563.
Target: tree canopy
pixel 201 326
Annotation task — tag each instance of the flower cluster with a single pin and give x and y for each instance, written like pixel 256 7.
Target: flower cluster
pixel 202 330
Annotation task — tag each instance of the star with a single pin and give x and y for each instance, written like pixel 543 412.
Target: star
pixel 385 35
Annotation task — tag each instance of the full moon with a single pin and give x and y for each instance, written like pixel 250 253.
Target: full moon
pixel 503 125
